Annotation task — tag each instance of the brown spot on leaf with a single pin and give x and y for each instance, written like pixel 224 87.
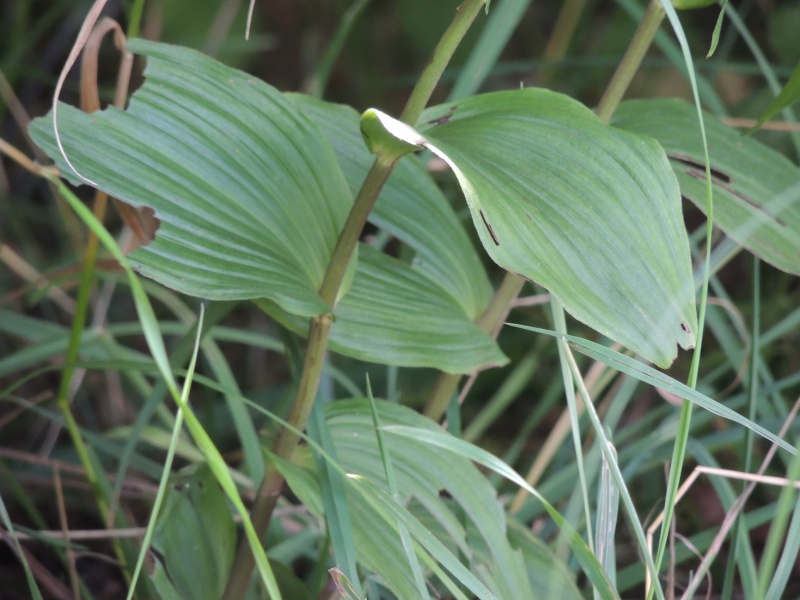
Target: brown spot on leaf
pixel 717 176
pixel 444 119
pixel 701 175
pixel 489 228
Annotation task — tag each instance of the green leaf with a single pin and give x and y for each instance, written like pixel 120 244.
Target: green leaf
pixel 334 498
pixel 756 190
pixel 421 473
pixel 377 545
pixel 398 315
pixel 249 195
pixel 195 537
pixel 551 577
pixel 787 96
pixel 207 245
pixel 717 30
pixel 389 508
pixel 455 447
pixel 589 212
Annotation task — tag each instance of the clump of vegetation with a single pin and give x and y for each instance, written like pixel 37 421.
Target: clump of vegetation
pixel 317 397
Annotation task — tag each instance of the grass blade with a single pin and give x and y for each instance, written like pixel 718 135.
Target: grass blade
pixel 391 480
pixel 6 519
pixel 647 374
pixel 173 445
pixel 156 345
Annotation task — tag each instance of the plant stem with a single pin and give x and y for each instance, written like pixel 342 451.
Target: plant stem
pixel 351 232
pixel 490 322
pixel 442 54
pixel 270 488
pixel 562 35
pixel 632 60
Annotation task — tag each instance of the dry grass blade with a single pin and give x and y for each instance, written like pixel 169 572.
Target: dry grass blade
pixel 15 107
pixel 80 42
pixel 736 507
pixel 26 271
pixel 140 223
pixel 22 160
pixel 249 19
pixel 49 582
pixel 62 519
pixel 90 97
pixel 769 125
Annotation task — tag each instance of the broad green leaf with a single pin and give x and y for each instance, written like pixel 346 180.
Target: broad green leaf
pixel 421 473
pixel 756 190
pixel 377 545
pixel 589 212
pixel 379 499
pixel 551 577
pixel 647 374
pixel 399 315
pixel 195 537
pixel 457 447
pixel 787 96
pixel 410 207
pixel 248 193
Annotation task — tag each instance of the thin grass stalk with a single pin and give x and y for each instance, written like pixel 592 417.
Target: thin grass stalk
pixel 71 357
pixel 682 434
pixel 560 322
pixel 752 393
pixel 22 556
pixel 135 18
pixel 766 69
pixel 70 552
pixel 610 455
pixel 158 351
pixel 619 83
pixel 391 481
pixel 736 507
pixel 173 445
pixel 319 327
pixel 319 80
